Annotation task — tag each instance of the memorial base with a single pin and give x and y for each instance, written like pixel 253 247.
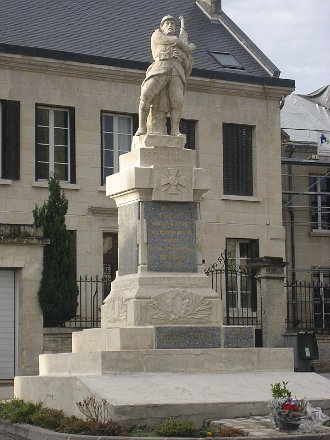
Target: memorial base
pixel 144 399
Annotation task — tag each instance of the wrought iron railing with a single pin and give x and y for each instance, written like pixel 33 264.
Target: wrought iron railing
pixel 92 291
pixel 308 306
pixel 237 286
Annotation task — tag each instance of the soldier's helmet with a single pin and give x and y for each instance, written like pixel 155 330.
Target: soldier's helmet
pixel 167 17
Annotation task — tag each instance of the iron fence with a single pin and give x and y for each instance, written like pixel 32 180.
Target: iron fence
pixel 308 306
pixel 92 291
pixel 238 287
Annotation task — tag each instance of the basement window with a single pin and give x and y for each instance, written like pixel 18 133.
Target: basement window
pixel 227 60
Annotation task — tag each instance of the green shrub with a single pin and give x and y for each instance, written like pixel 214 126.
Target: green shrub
pixel 280 391
pixel 138 432
pixel 18 411
pixel 110 427
pixel 58 291
pixel 48 418
pixel 175 428
pixel 73 425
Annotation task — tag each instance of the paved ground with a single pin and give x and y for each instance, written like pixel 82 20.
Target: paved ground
pixel 263 427
pixel 7 436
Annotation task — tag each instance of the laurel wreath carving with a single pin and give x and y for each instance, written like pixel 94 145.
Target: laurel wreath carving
pixel 178 306
pixel 118 309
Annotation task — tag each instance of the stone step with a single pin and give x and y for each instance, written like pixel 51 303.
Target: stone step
pixel 146 398
pixel 167 337
pixel 212 360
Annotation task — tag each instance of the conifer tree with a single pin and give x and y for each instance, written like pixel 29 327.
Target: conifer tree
pixel 58 290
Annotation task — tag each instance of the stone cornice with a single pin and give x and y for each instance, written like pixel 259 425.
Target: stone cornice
pixel 118 74
pixel 103 211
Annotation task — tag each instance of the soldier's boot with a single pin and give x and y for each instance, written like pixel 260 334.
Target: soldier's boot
pixel 175 122
pixel 143 116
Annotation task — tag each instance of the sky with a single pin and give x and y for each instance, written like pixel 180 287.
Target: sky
pixel 294 34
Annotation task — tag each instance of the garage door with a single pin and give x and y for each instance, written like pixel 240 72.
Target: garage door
pixel 7 324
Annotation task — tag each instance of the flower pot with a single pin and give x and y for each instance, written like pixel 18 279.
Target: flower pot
pixel 287 422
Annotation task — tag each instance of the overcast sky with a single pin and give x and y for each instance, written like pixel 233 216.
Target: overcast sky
pixel 294 34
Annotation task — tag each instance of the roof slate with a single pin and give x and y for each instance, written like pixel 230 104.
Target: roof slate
pixel 111 30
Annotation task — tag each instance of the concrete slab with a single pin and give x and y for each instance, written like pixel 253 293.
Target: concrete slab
pixel 146 398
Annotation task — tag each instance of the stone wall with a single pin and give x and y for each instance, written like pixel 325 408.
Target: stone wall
pixel 323 363
pixel 58 340
pixel 21 249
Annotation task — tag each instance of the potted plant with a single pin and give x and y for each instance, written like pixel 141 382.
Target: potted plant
pixel 286 411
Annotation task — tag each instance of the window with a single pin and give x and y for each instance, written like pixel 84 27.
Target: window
pixel 117 132
pixel 227 60
pixel 320 202
pixel 242 289
pixel 10 140
pixel 237 160
pixel 321 289
pixel 55 143
pixel 187 127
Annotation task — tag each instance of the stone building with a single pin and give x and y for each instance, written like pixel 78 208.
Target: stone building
pixel 305 122
pixel 70 81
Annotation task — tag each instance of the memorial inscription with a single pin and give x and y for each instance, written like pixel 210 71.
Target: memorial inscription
pixel 187 337
pixel 171 234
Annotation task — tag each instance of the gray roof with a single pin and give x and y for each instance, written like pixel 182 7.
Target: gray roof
pixel 304 118
pixel 117 32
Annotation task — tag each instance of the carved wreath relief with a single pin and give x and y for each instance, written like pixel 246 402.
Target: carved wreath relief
pixel 118 309
pixel 178 306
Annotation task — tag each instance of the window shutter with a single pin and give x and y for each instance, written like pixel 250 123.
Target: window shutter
pixel 11 140
pixel 72 145
pixel 230 159
pixel 237 160
pixel 187 127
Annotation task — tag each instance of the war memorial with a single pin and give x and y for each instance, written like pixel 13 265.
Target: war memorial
pixel 162 349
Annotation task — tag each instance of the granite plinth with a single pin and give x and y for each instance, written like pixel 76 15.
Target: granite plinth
pixel 187 337
pixel 171 234
pixel 238 336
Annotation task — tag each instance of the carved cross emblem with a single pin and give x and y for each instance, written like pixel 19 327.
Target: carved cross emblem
pixel 173 181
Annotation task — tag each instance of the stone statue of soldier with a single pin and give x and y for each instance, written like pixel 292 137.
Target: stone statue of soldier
pixel 163 88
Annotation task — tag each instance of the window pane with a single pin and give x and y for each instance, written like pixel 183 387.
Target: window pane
pixel 108 123
pixel 124 125
pixel 60 118
pixel 108 158
pixel 61 171
pixel 124 142
pixel 43 153
pixel 60 136
pixel 43 135
pixel 243 250
pixel 42 170
pixel 107 172
pixel 61 154
pixel 42 116
pixel 108 141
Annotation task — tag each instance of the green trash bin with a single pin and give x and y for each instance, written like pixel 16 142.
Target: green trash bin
pixel 307 346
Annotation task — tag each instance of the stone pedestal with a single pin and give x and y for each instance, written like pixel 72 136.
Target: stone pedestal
pixel 160 278
pixel 270 271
